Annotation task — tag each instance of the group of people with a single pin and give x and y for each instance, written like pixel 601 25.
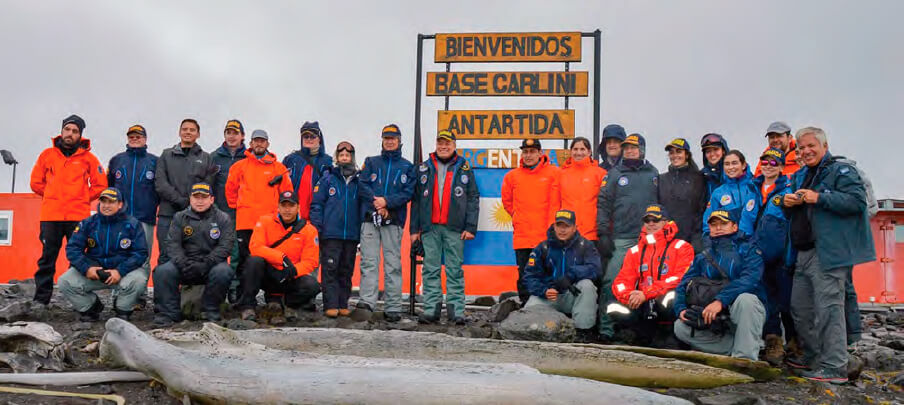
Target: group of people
pixel 724 260
pixel 727 261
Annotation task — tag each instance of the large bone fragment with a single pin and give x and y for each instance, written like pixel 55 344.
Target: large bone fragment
pixel 231 370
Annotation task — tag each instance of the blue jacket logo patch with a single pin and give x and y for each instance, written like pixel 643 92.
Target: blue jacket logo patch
pixel 623 181
pixel 125 243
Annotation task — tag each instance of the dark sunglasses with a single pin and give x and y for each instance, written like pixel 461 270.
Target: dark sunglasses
pixel 309 136
pixel 650 220
pixel 769 162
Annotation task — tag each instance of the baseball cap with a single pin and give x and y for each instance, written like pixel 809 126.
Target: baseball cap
pixel 633 139
pixel 656 211
pixel 778 154
pixel 200 188
pixel 137 129
pixel 566 216
pixel 446 134
pixel 235 124
pixel 111 193
pixel 288 196
pixel 778 127
pixel 679 143
pixel 391 130
pixel 723 215
pixel 531 143
pixel 259 134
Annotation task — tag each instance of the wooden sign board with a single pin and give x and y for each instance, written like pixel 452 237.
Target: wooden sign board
pixel 506 158
pixel 559 84
pixel 511 124
pixel 508 47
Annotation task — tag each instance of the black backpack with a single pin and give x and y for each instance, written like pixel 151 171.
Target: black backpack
pixel 701 291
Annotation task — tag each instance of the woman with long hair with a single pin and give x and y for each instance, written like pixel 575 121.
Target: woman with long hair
pixel 682 191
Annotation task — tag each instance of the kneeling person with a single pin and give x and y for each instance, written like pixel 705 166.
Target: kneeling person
pixel 723 318
pixel 107 250
pixel 560 272
pixel 644 289
pixel 284 252
pixel 200 239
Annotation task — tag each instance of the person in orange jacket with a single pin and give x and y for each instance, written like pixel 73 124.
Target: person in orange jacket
pixel 779 135
pixel 253 188
pixel 68 177
pixel 285 251
pixel 580 182
pixel 531 196
pixel 644 289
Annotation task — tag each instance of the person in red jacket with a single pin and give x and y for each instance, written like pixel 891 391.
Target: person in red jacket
pixel 68 177
pixel 645 286
pixel 284 252
pixel 253 189
pixel 531 196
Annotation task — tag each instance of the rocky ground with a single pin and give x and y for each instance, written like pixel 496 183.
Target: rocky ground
pixel 881 353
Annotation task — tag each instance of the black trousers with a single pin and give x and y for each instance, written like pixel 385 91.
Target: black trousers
pixel 337 261
pixel 243 239
pixel 260 274
pixel 168 278
pixel 52 234
pixel 163 225
pixel 521 257
pixel 645 327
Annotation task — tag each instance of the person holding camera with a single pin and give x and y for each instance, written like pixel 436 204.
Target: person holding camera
pixel 107 251
pixel 199 241
pixel 644 290
pixel 560 273
pixel 253 189
pixel 284 254
pixel 720 301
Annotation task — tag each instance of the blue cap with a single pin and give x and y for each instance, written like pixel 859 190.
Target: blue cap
pixel 566 216
pixel 678 143
pixel 778 154
pixel 111 193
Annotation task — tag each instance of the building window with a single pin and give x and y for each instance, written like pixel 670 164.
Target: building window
pixel 899 233
pixel 6 228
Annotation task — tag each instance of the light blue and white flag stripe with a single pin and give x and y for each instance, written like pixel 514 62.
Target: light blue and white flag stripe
pixel 492 245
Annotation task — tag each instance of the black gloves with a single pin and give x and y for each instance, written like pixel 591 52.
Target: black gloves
pixel 289 270
pixel 195 270
pixel 181 262
pixel 564 284
pixel 606 246
pixel 417 248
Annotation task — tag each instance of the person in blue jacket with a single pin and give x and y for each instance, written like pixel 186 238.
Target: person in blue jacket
pixel 307 164
pixel 336 213
pixel 132 172
pixel 231 151
pixel 560 273
pixel 744 296
pixel 714 147
pixel 772 237
pixel 106 251
pixel 386 183
pixel 831 232
pixel 737 192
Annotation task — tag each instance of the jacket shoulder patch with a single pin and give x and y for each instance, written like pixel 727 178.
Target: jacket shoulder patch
pixel 635 249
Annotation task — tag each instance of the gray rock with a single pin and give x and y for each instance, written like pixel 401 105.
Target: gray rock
pixel 539 322
pixel 898 379
pixel 730 399
pixel 854 367
pixel 500 311
pixel 895 318
pixel 882 358
pixel 25 288
pixel 897 344
pixel 404 324
pixel 506 295
pixel 16 311
pixel 239 324
pixel 485 301
pixel 82 326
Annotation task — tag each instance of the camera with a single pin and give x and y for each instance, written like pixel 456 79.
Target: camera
pixel 103 275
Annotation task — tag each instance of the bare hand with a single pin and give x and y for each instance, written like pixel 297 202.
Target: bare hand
pixel 791 200
pixel 711 310
pixel 415 236
pixel 114 277
pixel 465 235
pixel 379 202
pixel 92 272
pixel 635 299
pixel 809 196
pixel 552 294
pixel 681 315
pixel 383 213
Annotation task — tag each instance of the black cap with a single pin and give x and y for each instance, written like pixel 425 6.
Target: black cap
pixel 566 216
pixel 288 196
pixel 656 211
pixel 531 143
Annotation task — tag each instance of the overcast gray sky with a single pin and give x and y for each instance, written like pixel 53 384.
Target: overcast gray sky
pixel 669 69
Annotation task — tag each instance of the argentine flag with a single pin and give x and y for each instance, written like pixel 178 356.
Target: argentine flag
pixel 492 246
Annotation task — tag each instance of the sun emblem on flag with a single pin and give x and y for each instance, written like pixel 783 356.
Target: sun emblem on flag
pixel 501 219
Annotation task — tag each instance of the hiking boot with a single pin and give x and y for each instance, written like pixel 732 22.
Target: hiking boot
pixel 796 362
pixel 309 307
pixel 363 312
pixel 775 351
pixel 124 315
pixel 249 315
pixel 290 313
pixel 93 313
pixel 331 313
pixel 392 316
pixel 585 336
pixel 344 312
pixel 792 348
pixel 39 310
pixel 428 318
pixel 162 321
pixel 451 317
pixel 211 316
pixel 826 375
